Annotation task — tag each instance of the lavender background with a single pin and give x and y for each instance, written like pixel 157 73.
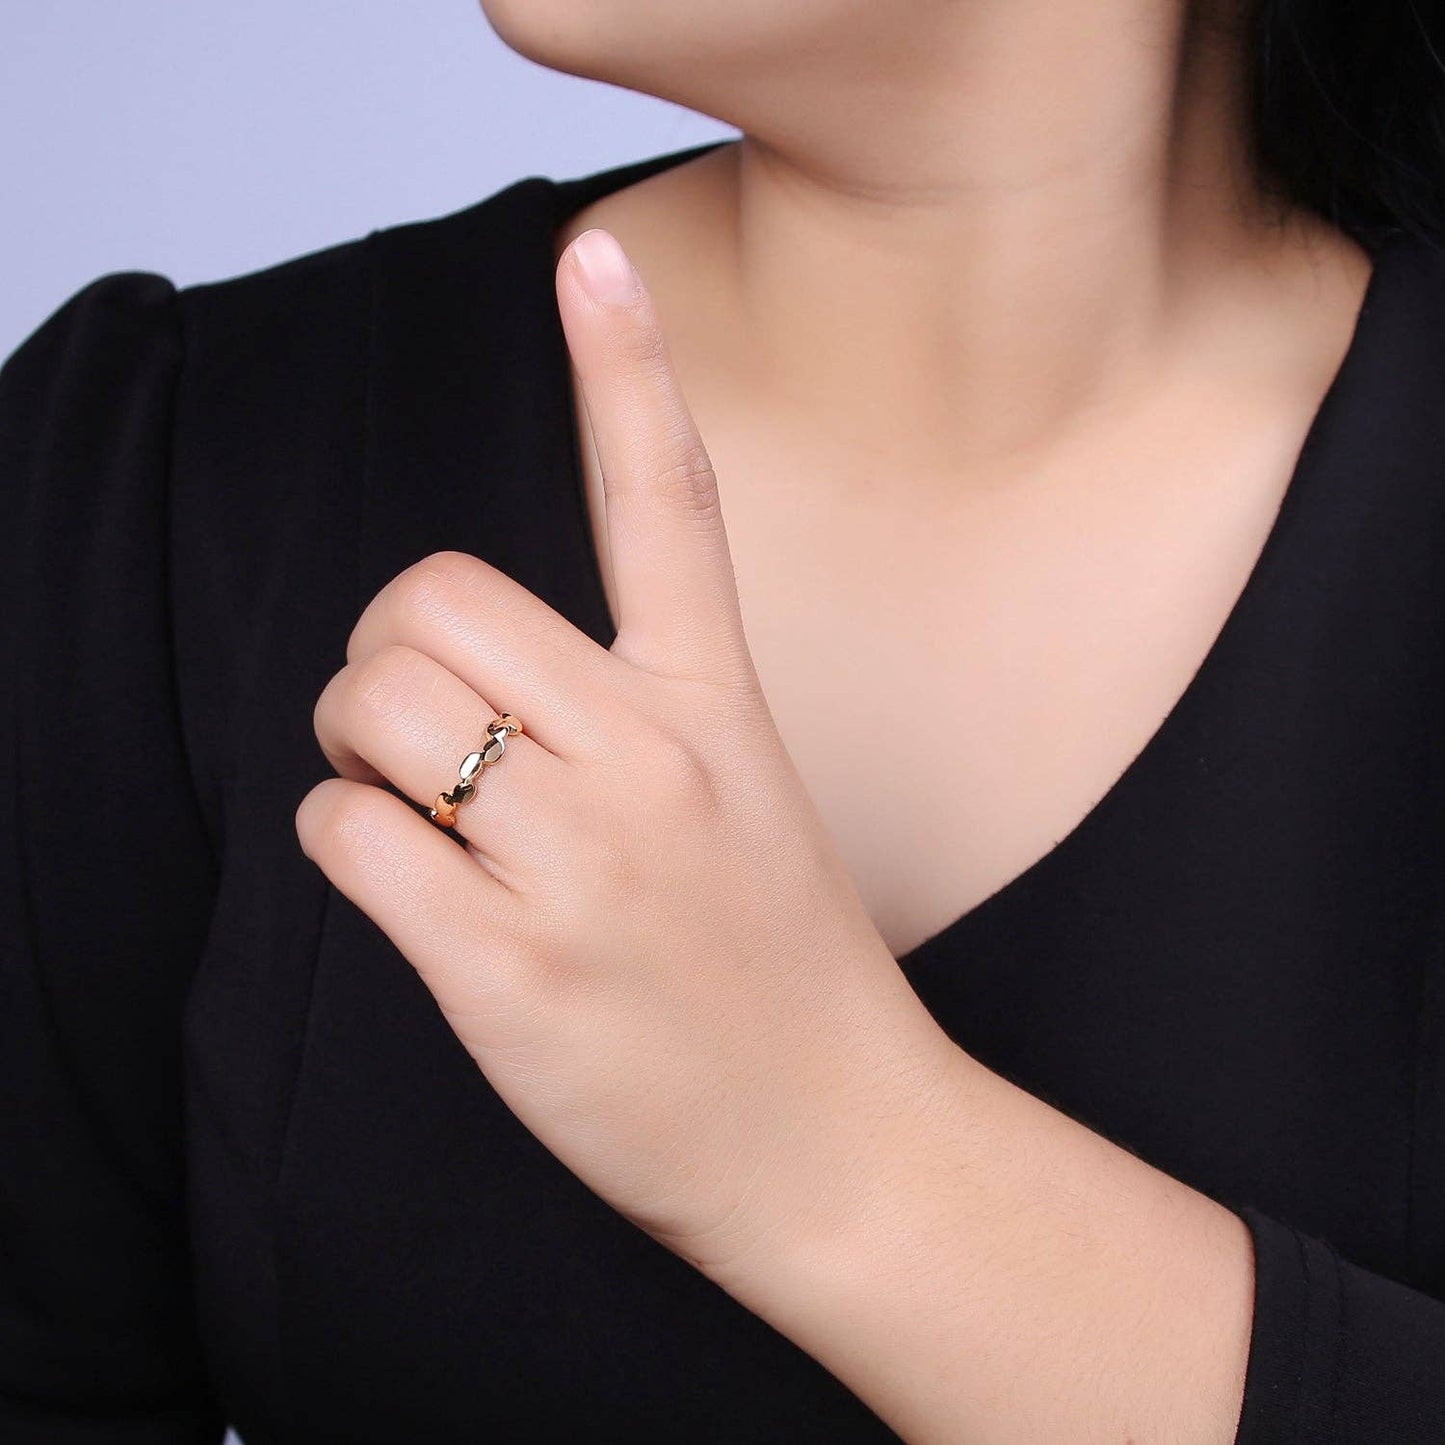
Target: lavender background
pixel 205 138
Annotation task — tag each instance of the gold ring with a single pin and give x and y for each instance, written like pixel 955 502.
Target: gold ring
pixel 444 811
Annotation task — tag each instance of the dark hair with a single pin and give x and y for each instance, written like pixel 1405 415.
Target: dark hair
pixel 1347 110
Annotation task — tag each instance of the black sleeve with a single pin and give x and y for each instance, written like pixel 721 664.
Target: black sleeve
pixel 106 885
pixel 1339 1355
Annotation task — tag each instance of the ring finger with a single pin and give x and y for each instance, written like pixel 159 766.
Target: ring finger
pixel 400 716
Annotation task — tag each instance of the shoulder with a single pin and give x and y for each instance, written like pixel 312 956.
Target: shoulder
pixel 128 335
pixel 276 308
pixel 307 387
pixel 304 320
pixel 479 252
pixel 301 303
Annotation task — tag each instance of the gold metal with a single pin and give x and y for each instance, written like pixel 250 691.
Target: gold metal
pixel 501 727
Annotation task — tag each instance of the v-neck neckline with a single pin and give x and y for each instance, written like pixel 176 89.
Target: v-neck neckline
pixel 567 197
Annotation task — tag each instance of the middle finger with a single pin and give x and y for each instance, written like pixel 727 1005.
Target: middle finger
pixel 495 635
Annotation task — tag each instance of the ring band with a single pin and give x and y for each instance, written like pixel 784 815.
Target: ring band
pixel 444 811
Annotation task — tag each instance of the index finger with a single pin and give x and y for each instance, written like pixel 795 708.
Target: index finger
pixel 677 595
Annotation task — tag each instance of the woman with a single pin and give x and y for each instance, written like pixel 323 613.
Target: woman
pixel 954 954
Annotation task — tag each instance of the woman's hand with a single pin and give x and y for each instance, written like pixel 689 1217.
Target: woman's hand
pixel 653 952
pixel 648 944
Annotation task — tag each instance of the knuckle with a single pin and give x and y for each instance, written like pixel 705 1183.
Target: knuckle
pixel 343 814
pixel 351 822
pixel 550 962
pixel 448 564
pixel 429 588
pixel 612 868
pixel 645 344
pixel 412 602
pixel 690 484
pixel 545 951
pixel 604 863
pixel 681 775
pixel 618 870
pixel 381 682
pixel 432 591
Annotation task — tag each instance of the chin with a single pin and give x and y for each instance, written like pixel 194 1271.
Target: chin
pixel 703 54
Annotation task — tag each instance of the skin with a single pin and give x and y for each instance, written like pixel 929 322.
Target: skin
pixel 959 289
pixel 999 469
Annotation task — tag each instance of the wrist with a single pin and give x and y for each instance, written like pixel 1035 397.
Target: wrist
pixel 859 1189
pixel 981 1243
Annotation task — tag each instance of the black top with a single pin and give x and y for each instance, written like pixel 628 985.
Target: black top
pixel 248 1171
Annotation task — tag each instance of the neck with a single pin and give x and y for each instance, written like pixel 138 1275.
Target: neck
pixel 1012 240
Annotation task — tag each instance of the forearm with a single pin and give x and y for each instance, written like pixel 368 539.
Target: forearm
pixel 993 1271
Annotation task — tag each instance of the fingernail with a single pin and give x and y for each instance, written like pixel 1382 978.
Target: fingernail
pixel 605 270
